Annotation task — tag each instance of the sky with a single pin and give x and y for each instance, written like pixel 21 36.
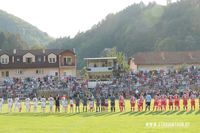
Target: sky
pixel 61 18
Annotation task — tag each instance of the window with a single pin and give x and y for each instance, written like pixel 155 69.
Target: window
pixel 18 59
pixel 2 74
pixel 29 60
pixel 67 60
pixel 19 71
pixel 56 73
pixel 39 71
pixel 5 73
pixel 52 60
pixel 109 63
pixel 4 60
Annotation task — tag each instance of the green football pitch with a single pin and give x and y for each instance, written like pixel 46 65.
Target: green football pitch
pixel 101 122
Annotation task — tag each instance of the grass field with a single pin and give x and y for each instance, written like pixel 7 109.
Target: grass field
pixel 103 122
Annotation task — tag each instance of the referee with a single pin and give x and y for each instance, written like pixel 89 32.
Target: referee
pixel 148 102
pixel 57 102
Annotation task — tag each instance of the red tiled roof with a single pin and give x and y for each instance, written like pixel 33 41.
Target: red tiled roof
pixel 161 58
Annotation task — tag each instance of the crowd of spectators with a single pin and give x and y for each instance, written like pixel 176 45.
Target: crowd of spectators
pixel 152 82
pixel 167 82
pixel 28 87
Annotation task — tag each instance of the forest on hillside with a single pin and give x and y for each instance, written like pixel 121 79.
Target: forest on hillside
pixel 29 33
pixel 137 28
pixel 140 28
pixel 12 41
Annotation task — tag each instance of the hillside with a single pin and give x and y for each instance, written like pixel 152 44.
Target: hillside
pixel 12 41
pixel 28 32
pixel 140 28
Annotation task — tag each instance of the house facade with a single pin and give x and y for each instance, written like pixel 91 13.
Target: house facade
pixel 164 60
pixel 100 70
pixel 37 63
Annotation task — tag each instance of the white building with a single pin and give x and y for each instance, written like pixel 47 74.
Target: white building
pixel 100 70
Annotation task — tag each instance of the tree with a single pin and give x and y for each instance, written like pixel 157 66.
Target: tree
pixel 12 41
pixel 84 73
pixel 121 58
pixel 140 28
pixel 38 46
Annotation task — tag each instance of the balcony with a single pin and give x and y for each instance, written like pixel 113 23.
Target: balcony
pixel 67 64
pixel 99 69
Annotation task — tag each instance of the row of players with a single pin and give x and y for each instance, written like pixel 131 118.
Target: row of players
pixel 160 103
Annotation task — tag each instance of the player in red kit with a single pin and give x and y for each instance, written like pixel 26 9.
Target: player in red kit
pixel 163 102
pixel 159 103
pixel 132 102
pixel 176 102
pixel 185 101
pixel 192 97
pixel 199 101
pixel 141 101
pixel 156 98
pixel 121 103
pixel 170 102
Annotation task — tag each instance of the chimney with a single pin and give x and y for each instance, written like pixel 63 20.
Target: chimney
pixel 13 59
pixel 190 55
pixel 163 55
pixel 74 50
pixel 43 51
pixel 14 51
